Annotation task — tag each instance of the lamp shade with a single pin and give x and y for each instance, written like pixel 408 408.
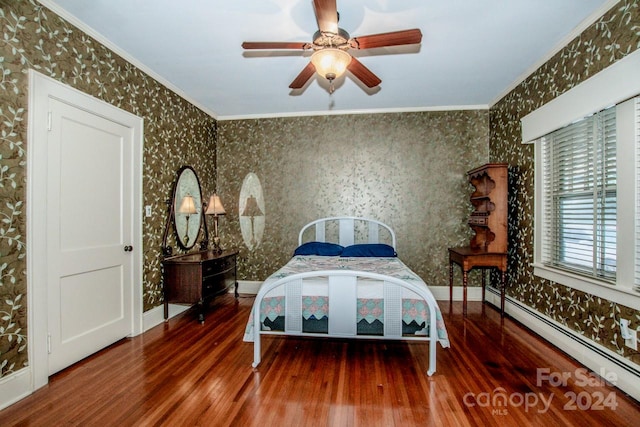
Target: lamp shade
pixel 215 206
pixel 330 62
pixel 251 208
pixel 187 206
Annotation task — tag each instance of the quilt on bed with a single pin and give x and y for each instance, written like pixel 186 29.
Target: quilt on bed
pixel 370 303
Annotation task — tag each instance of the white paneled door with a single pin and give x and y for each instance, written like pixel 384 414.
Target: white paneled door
pixel 89 233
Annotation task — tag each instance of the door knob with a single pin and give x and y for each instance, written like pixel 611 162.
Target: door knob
pixel 128 248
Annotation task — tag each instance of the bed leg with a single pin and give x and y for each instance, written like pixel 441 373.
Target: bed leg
pixel 256 351
pixel 433 340
pixel 256 338
pixel 432 356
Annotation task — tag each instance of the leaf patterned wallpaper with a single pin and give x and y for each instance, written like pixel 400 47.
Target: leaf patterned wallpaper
pixel 407 170
pixel 176 134
pixel 614 35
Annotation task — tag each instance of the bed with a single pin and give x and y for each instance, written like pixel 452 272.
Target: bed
pixel 345 281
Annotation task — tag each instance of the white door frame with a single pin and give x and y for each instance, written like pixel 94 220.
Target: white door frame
pixel 41 88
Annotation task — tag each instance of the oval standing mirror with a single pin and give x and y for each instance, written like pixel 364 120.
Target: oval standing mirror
pixel 187 207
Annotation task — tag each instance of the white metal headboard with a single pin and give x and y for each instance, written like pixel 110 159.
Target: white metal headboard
pixel 347 230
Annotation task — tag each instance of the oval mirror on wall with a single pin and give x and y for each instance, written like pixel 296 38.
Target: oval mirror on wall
pixel 187 207
pixel 252 211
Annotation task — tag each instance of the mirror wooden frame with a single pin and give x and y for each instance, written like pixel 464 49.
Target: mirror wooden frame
pixel 186 183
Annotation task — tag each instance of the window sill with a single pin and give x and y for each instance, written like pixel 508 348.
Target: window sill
pixel 614 293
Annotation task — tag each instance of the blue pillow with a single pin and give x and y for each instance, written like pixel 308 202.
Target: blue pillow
pixel 318 248
pixel 369 250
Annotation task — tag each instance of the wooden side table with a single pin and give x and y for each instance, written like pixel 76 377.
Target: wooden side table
pixel 468 258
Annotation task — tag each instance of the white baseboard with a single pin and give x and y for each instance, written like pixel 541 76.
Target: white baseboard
pixel 248 287
pixel 16 386
pixel 441 293
pixel 592 355
pixel 155 316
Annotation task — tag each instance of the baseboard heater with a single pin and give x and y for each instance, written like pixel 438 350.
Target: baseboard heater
pixel 567 333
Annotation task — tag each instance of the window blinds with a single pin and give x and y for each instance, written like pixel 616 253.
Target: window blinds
pixel 580 196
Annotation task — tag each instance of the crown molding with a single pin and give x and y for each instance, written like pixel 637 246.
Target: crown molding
pixel 67 16
pixel 586 23
pixel 351 112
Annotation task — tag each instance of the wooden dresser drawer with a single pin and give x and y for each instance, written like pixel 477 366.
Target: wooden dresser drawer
pixel 218 266
pixel 198 277
pixel 218 281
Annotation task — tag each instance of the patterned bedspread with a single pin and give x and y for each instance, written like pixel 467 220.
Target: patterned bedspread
pixel 387 266
pixel 370 304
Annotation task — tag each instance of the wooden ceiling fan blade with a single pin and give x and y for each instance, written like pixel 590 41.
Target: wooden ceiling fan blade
pixel 363 73
pixel 395 38
pixel 275 45
pixel 305 74
pixel 327 15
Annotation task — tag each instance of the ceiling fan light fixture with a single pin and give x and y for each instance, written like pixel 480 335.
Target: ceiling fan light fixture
pixel 330 43
pixel 330 62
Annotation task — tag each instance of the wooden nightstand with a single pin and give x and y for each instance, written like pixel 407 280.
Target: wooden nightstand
pixel 198 277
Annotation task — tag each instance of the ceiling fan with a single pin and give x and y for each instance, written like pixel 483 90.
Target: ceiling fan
pixel 331 45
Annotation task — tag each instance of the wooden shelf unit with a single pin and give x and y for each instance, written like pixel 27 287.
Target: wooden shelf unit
pixel 488 246
pixel 489 218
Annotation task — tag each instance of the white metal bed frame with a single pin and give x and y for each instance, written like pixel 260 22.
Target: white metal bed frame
pixel 343 295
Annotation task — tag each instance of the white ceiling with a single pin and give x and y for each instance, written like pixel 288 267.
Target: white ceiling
pixel 472 52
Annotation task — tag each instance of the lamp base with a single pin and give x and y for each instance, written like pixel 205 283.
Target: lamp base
pixel 216 245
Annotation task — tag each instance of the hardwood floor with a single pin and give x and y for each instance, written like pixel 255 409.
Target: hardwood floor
pixel 184 373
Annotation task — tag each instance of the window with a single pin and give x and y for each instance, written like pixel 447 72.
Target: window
pixel 579 196
pixel 586 208
pixel 587 184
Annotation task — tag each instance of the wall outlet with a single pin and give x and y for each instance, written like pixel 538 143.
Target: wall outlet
pixel 630 336
pixel 632 342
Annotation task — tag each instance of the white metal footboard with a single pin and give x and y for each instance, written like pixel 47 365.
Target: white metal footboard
pixel 342 314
